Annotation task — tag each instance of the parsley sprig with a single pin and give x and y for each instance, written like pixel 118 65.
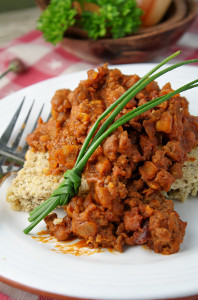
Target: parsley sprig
pixel 72 178
pixel 117 17
pixel 55 20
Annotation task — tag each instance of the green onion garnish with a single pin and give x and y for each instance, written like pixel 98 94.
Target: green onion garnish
pixel 72 178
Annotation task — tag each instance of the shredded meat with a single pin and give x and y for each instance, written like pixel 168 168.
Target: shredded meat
pixel 128 171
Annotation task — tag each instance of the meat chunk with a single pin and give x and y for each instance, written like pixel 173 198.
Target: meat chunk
pixel 110 147
pixel 164 124
pixel 148 171
pixel 162 228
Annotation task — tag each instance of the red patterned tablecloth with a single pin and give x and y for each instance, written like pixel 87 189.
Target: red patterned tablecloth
pixel 46 61
pixel 43 60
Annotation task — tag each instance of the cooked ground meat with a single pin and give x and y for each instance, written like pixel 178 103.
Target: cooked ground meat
pixel 128 170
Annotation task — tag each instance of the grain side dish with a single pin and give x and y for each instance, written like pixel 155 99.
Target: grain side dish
pixel 125 183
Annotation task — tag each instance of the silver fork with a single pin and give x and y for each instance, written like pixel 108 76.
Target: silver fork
pixel 12 157
pixel 8 166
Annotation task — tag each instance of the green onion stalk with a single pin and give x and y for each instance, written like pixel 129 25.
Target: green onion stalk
pixel 72 178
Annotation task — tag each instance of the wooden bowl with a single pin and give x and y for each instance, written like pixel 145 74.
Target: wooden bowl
pixel 140 47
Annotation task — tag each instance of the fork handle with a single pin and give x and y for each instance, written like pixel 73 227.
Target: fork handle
pixel 12 156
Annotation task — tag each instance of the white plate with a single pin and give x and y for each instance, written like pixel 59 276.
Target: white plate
pixel 135 274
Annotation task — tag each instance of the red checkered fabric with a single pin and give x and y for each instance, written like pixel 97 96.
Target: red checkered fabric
pixel 43 60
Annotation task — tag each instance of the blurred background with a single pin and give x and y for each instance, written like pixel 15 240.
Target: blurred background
pixel 13 4
pixel 16 18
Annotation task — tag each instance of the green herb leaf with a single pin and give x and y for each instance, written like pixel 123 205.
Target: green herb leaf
pixel 55 20
pixel 118 17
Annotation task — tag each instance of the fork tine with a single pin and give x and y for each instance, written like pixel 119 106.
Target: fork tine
pixel 17 139
pixel 24 150
pixel 49 116
pixel 35 124
pixel 14 151
pixel 25 147
pixel 2 161
pixel 6 135
pixel 10 167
